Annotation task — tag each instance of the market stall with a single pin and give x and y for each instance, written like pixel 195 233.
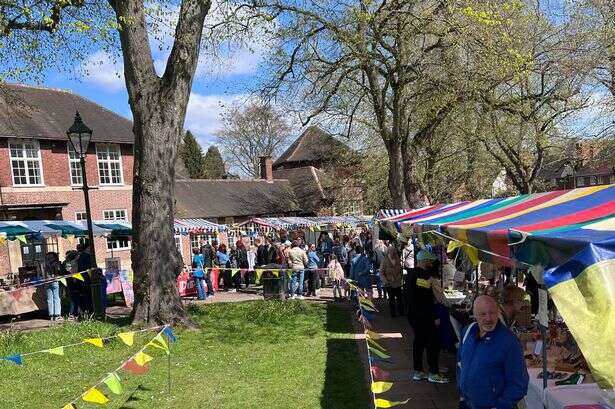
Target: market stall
pixel 566 241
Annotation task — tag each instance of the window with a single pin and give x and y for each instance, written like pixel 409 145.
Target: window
pixel 118 214
pixel 26 162
pixel 196 239
pixel 76 178
pixel 109 164
pixel 79 216
pixel 118 244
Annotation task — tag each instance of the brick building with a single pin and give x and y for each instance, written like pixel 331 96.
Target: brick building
pixel 40 175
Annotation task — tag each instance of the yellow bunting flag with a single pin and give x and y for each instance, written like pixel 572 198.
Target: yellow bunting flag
pixel 95 396
pixel 160 343
pixel 21 238
pixel 472 253
pixel 452 245
pixel 113 383
pixel 275 273
pixel 63 281
pixel 69 406
pixel 421 282
pixel 366 301
pixel 2 240
pixel 373 335
pixel 98 342
pixel 78 276
pixel 383 403
pixel 375 344
pixel 381 387
pixel 71 238
pixel 127 337
pixel 378 352
pixel 259 273
pixel 142 358
pixel 368 308
pixel 56 351
pixel 234 271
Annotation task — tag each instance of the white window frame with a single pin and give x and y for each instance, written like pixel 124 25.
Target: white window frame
pixel 114 244
pixel 115 215
pixel 99 147
pixel 77 160
pixel 84 214
pixel 21 142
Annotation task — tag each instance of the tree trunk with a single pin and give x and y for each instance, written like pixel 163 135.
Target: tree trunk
pixel 396 174
pixel 159 109
pixel 411 185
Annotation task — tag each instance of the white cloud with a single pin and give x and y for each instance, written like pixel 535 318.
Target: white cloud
pixel 101 69
pixel 203 115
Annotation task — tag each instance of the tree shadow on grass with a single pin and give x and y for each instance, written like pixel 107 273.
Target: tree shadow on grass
pixel 345 386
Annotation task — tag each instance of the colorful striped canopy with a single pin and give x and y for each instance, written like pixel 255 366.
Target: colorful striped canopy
pixel 197 226
pixel 569 234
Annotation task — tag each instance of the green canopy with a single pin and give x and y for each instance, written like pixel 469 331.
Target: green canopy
pixel 116 229
pixel 12 231
pixel 67 229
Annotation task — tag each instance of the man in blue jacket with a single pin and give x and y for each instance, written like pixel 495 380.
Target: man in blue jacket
pixel 491 370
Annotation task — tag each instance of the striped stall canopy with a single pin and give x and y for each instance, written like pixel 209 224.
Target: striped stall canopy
pixel 567 234
pixel 197 226
pixel 301 222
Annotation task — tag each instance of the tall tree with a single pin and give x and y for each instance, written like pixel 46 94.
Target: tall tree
pixel 213 164
pixel 192 156
pixel 158 105
pixel 250 132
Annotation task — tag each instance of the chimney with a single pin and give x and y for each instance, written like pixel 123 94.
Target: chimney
pixel 267 168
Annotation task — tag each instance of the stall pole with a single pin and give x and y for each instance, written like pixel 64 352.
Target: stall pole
pixel 543 335
pixel 476 281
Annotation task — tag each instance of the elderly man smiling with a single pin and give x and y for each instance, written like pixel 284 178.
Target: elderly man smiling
pixel 491 370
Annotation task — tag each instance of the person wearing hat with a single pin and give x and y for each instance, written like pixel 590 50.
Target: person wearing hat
pixel 423 318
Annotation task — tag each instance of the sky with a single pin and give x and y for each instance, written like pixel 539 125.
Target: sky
pixel 220 81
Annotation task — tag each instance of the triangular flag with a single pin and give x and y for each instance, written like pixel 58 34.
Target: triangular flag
pixel 56 351
pixel 375 359
pixel 452 245
pixel 234 271
pixel 78 276
pixel 113 383
pixel 383 403
pixel 127 337
pixel 70 238
pixel 373 335
pixel 69 406
pixel 366 301
pixel 472 253
pixel 95 396
pixel 367 307
pixel 168 331
pixel 259 273
pixel 378 352
pixel 375 344
pixel 275 273
pixel 160 343
pixel 94 341
pixel 21 238
pixel 379 373
pixel 142 358
pixel 63 281
pixel 2 240
pixel 132 367
pixel 13 358
pixel 381 387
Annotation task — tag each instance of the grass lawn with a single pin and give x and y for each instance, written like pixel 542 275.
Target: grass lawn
pixel 261 354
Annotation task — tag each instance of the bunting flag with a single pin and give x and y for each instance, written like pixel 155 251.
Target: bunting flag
pixel 378 352
pixel 141 358
pixel 70 238
pixel 367 301
pixel 95 396
pixel 160 343
pixel 381 387
pixel 132 367
pixel 375 344
pixel 379 373
pixel 22 238
pixel 78 276
pixel 13 358
pixel 168 331
pixel 56 351
pixel 373 359
pixel 259 273
pixel 234 271
pixel 383 403
pixel 63 281
pixel 373 335
pixel 472 253
pixel 113 383
pixel 368 308
pixel 69 406
pixel 452 245
pixel 98 342
pixel 275 273
pixel 127 338
pixel 2 240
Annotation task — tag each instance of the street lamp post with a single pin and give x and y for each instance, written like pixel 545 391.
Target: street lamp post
pixel 80 136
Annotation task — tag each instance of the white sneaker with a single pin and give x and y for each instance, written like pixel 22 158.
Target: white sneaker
pixel 301 297
pixel 232 290
pixel 294 297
